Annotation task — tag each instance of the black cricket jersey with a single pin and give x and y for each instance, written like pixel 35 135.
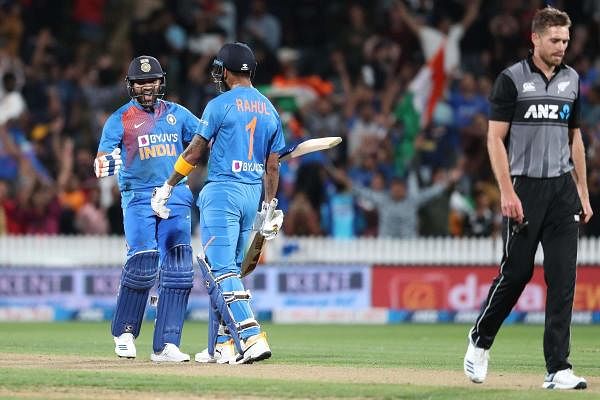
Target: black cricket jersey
pixel 540 112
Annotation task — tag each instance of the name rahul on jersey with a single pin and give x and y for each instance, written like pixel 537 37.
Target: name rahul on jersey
pixel 253 106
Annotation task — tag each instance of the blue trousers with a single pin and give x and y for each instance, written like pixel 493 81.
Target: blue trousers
pixel 227 211
pixel 145 231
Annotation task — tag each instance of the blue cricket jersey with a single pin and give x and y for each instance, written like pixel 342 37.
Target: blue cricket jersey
pixel 150 142
pixel 246 129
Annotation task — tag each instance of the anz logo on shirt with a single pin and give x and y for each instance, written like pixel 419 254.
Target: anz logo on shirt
pixel 157 145
pixel 548 111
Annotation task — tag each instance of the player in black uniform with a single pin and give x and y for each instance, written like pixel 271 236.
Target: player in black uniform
pixel 537 154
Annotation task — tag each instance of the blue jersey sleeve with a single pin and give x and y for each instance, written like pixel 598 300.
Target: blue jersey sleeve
pixel 278 140
pixel 112 134
pixel 191 125
pixel 209 124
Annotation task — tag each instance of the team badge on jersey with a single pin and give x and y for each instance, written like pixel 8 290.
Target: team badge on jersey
pixel 562 86
pixel 171 120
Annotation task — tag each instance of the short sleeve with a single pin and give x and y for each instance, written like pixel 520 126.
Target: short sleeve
pixel 112 134
pixel 503 99
pixel 575 120
pixel 278 141
pixel 191 125
pixel 208 125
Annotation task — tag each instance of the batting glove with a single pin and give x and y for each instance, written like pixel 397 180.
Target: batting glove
pixel 108 164
pixel 159 199
pixel 268 221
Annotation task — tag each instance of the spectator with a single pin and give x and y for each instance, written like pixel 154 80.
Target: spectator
pixel 398 207
pixel 90 219
pixel 260 27
pixel 301 218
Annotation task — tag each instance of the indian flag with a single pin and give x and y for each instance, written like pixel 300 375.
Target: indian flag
pixel 416 108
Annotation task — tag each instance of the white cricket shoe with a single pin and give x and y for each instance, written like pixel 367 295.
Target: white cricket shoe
pixel 170 353
pixel 125 345
pixel 256 348
pixel 224 353
pixel 476 362
pixel 564 379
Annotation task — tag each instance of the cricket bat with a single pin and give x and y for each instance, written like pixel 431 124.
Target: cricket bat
pixel 257 239
pixel 256 245
pixel 310 146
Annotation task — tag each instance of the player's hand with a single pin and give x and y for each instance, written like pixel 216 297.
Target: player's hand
pixel 587 211
pixel 108 164
pixel 511 206
pixel 160 195
pixel 268 220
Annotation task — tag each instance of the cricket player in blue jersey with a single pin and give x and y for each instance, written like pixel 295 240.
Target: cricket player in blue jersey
pixel 246 135
pixel 141 142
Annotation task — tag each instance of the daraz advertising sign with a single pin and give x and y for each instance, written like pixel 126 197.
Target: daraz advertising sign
pixel 456 288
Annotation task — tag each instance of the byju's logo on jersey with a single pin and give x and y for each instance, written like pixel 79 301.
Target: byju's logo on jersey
pixel 143 141
pixel 548 111
pixel 157 145
pixel 244 166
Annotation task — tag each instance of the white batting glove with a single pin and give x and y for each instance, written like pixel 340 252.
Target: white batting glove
pixel 268 221
pixel 160 195
pixel 108 164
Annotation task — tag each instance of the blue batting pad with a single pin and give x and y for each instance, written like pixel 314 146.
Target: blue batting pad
pixel 213 328
pixel 219 305
pixel 175 283
pixel 240 309
pixel 137 278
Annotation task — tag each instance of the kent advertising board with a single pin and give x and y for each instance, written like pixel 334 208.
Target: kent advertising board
pixel 90 293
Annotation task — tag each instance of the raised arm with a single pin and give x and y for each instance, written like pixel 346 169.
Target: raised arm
pixel 408 19
pixel 470 14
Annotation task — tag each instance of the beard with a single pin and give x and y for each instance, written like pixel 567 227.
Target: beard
pixel 551 60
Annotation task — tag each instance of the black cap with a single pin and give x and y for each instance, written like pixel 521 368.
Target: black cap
pixel 144 67
pixel 237 57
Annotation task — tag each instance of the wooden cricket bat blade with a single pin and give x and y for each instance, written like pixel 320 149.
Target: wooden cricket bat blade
pixel 253 255
pixel 310 146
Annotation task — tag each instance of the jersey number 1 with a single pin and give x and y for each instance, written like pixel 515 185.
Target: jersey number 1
pixel 251 126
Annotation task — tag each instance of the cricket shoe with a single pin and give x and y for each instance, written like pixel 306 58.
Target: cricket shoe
pixel 224 353
pixel 564 379
pixel 125 345
pixel 476 362
pixel 170 353
pixel 255 348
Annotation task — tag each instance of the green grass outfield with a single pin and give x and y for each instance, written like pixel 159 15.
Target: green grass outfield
pixel 76 360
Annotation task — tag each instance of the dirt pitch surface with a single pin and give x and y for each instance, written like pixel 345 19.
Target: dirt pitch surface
pixel 265 370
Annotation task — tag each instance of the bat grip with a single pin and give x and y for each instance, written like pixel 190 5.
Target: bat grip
pixel 271 209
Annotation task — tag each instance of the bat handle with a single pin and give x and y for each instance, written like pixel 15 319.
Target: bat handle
pixel 271 208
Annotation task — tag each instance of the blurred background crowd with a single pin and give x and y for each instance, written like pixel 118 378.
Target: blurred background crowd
pixel 332 68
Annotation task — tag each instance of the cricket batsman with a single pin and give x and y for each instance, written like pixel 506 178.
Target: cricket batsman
pixel 141 142
pixel 246 135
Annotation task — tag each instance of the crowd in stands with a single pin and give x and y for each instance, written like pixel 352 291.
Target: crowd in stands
pixel 333 68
